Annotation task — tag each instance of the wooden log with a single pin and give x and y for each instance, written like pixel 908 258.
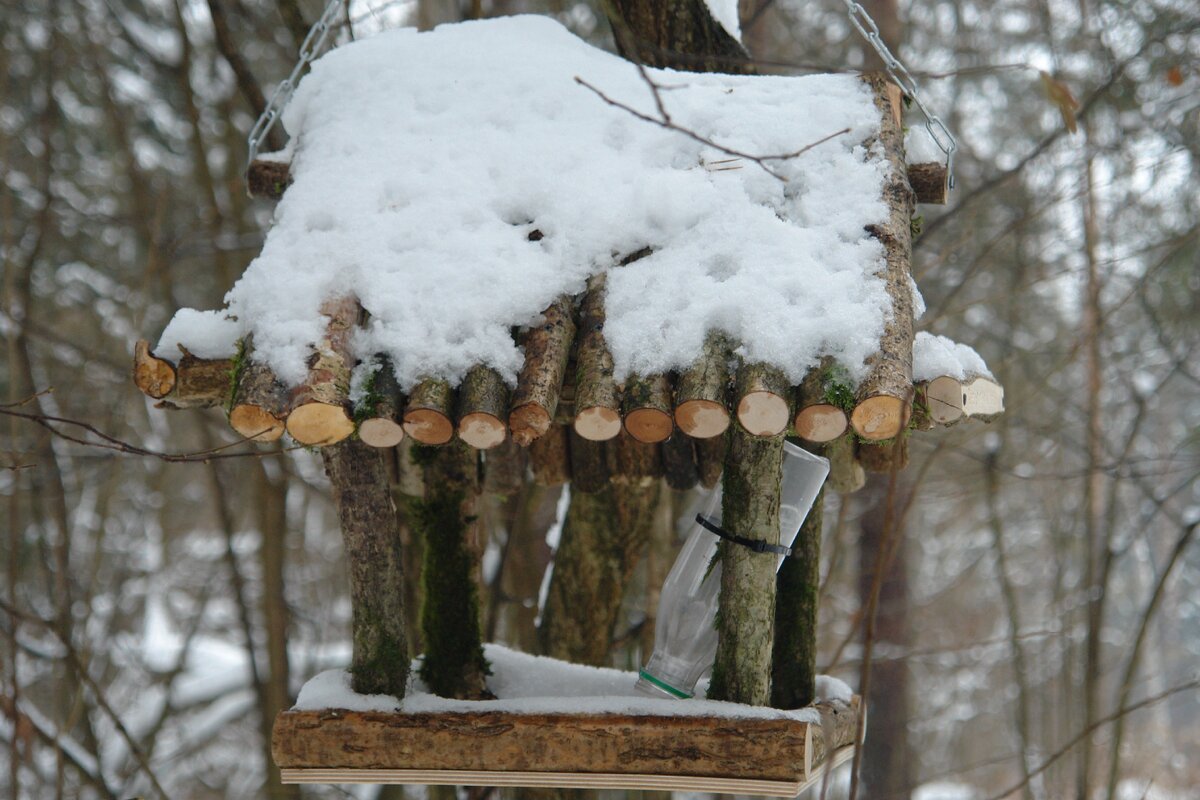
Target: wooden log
pixel 427 415
pixel 547 351
pixel 679 462
pixel 636 462
pixel 550 457
pixel 260 403
pixel 884 457
pixel 268 179
pixel 943 400
pixel 379 655
pixel 819 418
pixel 482 403
pixel 647 405
pixel 597 401
pixel 930 182
pixel 749 507
pixel 701 391
pixel 983 399
pixel 319 414
pixel 378 414
pixel 763 393
pixel 794 653
pixel 591 463
pixel 767 749
pixel 154 376
pixel 846 475
pixel 884 398
pixel 710 458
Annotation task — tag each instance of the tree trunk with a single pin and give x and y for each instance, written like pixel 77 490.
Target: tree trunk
pixel 794 658
pixel 370 531
pixel 680 34
pixel 454 665
pixel 750 508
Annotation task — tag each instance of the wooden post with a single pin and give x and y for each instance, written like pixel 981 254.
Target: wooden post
pixel 454 665
pixel 370 532
pixel 750 508
pixel 794 656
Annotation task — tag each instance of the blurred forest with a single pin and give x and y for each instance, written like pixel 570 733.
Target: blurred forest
pixel 1038 631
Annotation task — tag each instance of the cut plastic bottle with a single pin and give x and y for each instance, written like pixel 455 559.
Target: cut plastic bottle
pixel 685 637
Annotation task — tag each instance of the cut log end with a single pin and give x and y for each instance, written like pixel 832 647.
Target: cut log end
pixel 381 432
pixel 528 422
pixel 763 413
pixel 154 376
pixel 268 179
pixel 598 424
pixel 944 398
pixel 317 424
pixel 649 425
pixel 256 423
pixel 820 423
pixel 428 426
pixel 930 182
pixel 481 430
pixel 879 417
pixel 702 419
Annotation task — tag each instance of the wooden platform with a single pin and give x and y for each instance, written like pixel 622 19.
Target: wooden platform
pixel 771 757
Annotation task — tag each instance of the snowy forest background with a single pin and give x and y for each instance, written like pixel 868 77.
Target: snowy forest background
pixel 157 612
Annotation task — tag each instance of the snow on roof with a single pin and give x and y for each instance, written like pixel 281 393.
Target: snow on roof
pixel 424 161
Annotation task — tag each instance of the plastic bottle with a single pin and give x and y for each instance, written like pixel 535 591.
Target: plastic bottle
pixel 685 637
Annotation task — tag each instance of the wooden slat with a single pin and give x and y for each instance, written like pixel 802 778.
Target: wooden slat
pixel 567 780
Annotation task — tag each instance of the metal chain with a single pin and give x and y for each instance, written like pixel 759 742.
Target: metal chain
pixel 938 131
pixel 309 50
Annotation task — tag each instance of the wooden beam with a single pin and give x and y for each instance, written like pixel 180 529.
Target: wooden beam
pixel 930 182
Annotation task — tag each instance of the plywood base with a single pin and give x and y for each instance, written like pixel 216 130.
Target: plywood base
pixel 567 780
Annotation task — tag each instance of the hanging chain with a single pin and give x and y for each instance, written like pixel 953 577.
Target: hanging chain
pixel 309 50
pixel 938 131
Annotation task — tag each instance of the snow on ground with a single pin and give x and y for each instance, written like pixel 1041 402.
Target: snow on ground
pixel 534 684
pixel 423 161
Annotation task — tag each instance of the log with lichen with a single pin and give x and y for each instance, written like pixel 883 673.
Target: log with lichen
pixel 319 406
pixel 378 410
pixel 597 401
pixel 482 407
pixel 547 351
pixel 647 406
pixel 260 402
pixel 821 400
pixel 701 390
pixel 884 397
pixel 762 393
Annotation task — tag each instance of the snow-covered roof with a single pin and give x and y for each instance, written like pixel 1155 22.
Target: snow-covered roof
pixel 423 162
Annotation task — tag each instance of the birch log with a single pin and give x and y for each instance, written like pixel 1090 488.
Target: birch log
pixel 817 419
pixel 597 402
pixel 192 383
pixel 547 351
pixel 884 397
pixel 380 424
pixel 647 404
pixel 259 405
pixel 318 414
pixel 427 415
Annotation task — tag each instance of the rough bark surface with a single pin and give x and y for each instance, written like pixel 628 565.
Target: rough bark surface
pixel 268 179
pixel 884 399
pixel 885 456
pixel 763 396
pixel 680 34
pixel 710 458
pixel 647 404
pixel 679 462
pixel 547 351
pixel 929 182
pixel 794 657
pixel 259 405
pixel 597 401
pixel 750 508
pixel 192 383
pixel 604 535
pixel 427 415
pixel 482 408
pixel 370 533
pixel 378 414
pixel 445 518
pixel 591 463
pixel 319 405
pixel 818 419
pixel 846 475
pixel 550 457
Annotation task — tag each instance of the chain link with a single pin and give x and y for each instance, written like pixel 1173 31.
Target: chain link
pixel 309 50
pixel 938 131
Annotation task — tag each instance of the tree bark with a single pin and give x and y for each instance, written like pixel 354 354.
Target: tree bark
pixel 700 392
pixel 427 415
pixel 597 401
pixel 482 407
pixel 319 405
pixel 750 508
pixel 794 657
pixel 763 394
pixel 647 405
pixel 680 34
pixel 379 664
pixel 378 414
pixel 547 351
pixel 454 665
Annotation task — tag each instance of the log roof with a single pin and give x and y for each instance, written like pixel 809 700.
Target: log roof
pixel 487 219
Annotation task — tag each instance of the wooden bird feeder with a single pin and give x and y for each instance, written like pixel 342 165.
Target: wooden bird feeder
pixel 579 423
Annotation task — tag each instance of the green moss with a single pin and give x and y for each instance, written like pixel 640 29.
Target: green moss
pixel 372 397
pixel 839 391
pixel 386 670
pixel 237 368
pixel 423 455
pixel 916 225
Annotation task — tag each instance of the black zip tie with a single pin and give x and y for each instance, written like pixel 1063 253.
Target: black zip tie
pixel 757 545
